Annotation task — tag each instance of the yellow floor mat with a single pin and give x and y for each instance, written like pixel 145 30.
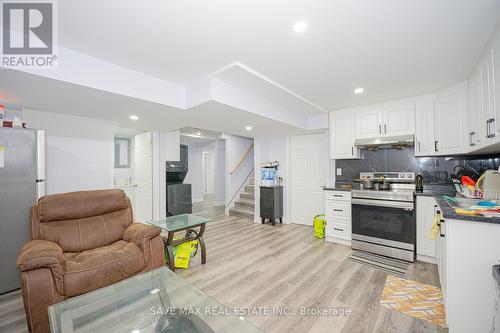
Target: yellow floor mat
pixel 415 299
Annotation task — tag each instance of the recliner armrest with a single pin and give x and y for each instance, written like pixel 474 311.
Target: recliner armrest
pixel 43 254
pixel 140 233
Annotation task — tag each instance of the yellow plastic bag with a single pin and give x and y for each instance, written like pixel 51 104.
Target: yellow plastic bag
pixel 183 255
pixel 434 232
pixel 319 226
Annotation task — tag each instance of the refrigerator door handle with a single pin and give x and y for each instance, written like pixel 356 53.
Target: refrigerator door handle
pixel 40 155
pixel 40 189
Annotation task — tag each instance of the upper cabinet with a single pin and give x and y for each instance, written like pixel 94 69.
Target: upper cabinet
pixel 449 112
pixel 424 129
pixel 368 123
pixel 385 121
pixel 482 120
pixel 399 120
pixel 342 135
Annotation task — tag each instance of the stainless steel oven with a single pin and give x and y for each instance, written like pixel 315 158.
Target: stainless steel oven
pixel 383 222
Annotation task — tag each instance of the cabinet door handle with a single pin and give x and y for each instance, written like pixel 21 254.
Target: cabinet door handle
pixel 419 150
pixel 338 195
pixel 436 146
pixel 337 229
pixel 352 150
pixel 385 128
pixel 489 132
pixel 379 129
pixel 338 210
pixel 471 140
pixel 440 233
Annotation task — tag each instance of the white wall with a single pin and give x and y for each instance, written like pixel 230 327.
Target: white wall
pixel 165 148
pixel 195 175
pixel 195 172
pixel 236 146
pixel 79 150
pixel 272 148
pixel 76 164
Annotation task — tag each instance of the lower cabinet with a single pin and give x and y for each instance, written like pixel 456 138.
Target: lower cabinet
pixel 338 217
pixel 426 210
pixel 465 254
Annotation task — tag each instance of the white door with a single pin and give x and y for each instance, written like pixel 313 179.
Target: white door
pixel 309 157
pixel 143 210
pixel 342 135
pixel 208 173
pixel 368 124
pixel 451 133
pixel 399 120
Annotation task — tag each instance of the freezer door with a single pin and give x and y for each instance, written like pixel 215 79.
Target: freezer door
pixel 17 195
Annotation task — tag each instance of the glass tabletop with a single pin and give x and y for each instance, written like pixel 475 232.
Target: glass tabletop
pixel 155 301
pixel 179 222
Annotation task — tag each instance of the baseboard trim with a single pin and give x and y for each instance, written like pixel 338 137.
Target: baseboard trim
pixel 424 258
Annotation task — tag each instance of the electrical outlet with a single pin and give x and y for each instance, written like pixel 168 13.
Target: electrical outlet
pixel 339 171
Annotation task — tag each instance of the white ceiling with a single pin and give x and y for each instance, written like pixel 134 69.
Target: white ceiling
pixel 393 48
pixel 21 90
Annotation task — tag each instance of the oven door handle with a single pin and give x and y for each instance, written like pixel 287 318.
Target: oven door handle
pixel 383 203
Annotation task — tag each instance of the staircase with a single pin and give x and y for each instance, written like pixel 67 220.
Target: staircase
pixel 244 205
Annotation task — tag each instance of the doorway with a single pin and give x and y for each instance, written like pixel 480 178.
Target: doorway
pixel 208 173
pixel 309 160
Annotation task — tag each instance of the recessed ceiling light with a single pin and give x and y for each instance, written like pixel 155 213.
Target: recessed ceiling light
pixel 299 26
pixel 198 133
pixel 358 91
pixel 248 128
pixel 134 117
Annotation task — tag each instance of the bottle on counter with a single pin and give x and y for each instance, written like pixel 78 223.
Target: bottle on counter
pixel 419 182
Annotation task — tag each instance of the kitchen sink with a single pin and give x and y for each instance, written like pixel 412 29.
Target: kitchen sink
pixel 464 203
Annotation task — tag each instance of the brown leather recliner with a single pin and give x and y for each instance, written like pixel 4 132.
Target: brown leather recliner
pixel 82 241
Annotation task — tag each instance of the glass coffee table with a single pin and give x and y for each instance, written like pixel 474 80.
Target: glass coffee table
pixel 155 301
pixel 193 225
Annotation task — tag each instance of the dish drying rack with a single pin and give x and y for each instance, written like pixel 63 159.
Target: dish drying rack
pixel 471 192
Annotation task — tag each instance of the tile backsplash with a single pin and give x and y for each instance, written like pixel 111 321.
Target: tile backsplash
pixel 435 170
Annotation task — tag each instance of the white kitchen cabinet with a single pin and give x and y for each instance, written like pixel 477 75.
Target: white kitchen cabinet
pixel 368 123
pixel 426 247
pixel 450 129
pixel 338 217
pixel 466 253
pixel 342 135
pixel 424 126
pixel 399 120
pixel 388 120
pixel 476 118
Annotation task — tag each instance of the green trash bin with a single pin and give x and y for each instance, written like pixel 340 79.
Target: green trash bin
pixel 319 223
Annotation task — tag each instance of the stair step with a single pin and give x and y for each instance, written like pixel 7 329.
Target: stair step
pixel 249 188
pixel 245 204
pixel 251 181
pixel 247 195
pixel 242 213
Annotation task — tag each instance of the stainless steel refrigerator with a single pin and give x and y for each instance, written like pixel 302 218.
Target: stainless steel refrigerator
pixel 22 182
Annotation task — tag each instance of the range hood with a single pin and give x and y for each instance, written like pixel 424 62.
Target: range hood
pixel 394 142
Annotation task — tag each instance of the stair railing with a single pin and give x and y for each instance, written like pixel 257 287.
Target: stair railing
pixel 239 189
pixel 242 158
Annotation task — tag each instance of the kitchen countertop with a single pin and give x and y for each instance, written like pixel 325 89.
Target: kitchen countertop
pixel 438 191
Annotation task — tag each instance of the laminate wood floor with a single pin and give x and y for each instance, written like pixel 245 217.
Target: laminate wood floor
pixel 283 267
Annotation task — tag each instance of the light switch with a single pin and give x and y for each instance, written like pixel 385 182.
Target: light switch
pixel 339 171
